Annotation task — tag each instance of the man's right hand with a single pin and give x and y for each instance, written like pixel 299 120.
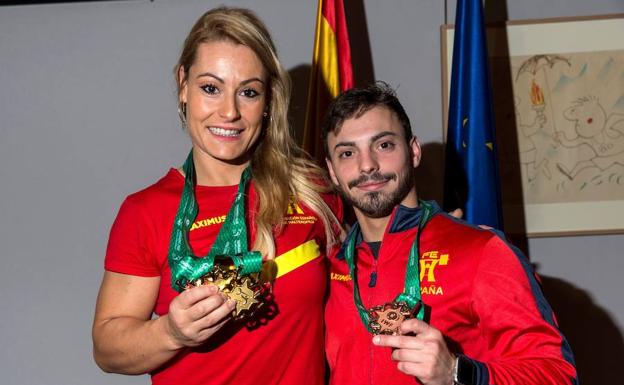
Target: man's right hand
pixel 420 351
pixel 457 213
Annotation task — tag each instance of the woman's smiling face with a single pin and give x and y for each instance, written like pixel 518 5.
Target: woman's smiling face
pixel 225 92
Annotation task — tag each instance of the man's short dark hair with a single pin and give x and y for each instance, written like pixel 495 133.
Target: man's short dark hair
pixel 357 101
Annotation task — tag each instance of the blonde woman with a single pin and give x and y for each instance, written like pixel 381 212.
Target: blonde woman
pixel 233 100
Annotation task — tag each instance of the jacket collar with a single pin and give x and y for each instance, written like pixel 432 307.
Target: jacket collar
pixel 402 219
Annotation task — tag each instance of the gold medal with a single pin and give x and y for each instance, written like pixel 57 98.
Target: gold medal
pixel 246 290
pixel 220 276
pixel 247 295
pixel 387 318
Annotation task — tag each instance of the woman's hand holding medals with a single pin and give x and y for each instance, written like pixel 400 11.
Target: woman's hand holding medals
pixel 420 351
pixel 198 313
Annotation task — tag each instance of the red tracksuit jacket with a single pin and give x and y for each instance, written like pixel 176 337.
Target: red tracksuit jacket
pixel 479 291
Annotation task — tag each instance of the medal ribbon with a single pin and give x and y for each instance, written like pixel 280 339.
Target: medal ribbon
pixel 411 289
pixel 231 241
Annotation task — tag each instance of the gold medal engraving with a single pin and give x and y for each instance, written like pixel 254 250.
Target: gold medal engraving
pixel 247 296
pixel 220 276
pixel 386 319
pixel 246 290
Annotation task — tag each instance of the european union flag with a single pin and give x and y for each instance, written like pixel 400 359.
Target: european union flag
pixel 471 177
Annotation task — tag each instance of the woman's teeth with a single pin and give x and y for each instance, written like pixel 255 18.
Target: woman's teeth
pixel 224 132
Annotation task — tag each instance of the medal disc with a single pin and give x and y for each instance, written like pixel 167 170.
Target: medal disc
pixel 245 290
pixel 247 295
pixel 387 318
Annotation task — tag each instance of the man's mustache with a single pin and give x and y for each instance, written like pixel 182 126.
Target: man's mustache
pixel 374 177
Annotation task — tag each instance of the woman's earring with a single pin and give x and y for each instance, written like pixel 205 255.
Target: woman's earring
pixel 182 114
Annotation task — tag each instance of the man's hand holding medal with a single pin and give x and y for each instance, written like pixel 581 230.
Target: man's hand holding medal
pixel 420 351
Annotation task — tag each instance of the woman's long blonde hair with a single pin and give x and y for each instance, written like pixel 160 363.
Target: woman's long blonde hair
pixel 281 170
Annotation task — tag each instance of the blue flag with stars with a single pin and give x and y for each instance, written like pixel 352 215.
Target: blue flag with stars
pixel 471 169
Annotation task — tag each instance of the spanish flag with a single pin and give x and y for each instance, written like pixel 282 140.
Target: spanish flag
pixel 331 70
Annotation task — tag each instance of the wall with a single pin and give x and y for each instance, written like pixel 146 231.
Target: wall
pixel 88 115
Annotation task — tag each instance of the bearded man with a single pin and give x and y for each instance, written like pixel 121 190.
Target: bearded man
pixel 418 296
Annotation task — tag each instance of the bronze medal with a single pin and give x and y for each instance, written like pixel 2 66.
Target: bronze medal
pixel 387 318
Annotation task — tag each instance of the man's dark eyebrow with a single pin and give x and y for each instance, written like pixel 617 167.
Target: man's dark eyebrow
pixel 382 134
pixel 373 139
pixel 344 144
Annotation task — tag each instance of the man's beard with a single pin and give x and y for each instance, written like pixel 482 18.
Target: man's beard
pixel 377 204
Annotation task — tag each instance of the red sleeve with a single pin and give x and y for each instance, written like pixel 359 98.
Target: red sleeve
pixel 517 321
pixel 334 202
pixel 331 198
pixel 130 244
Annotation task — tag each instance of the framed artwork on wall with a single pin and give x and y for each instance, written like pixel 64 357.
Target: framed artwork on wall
pixel 558 96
